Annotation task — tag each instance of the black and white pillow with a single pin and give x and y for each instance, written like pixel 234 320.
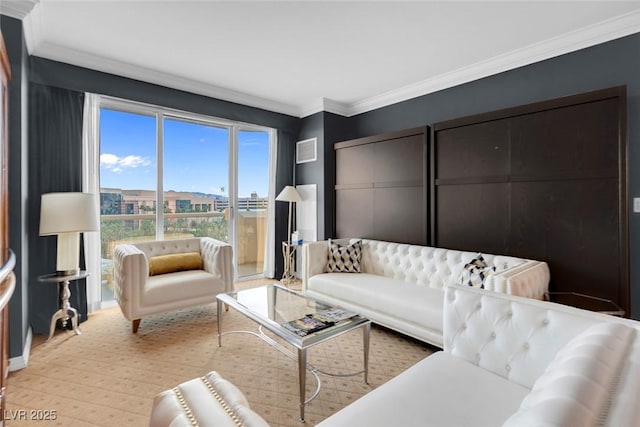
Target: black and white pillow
pixel 344 258
pixel 475 272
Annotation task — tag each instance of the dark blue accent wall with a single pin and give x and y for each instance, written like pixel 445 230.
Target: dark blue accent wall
pixel 314 172
pixel 18 197
pixel 328 128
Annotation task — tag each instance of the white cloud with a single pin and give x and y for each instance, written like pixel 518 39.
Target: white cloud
pixel 108 159
pixel 118 164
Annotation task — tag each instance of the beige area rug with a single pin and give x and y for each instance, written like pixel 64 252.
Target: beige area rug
pixel 108 376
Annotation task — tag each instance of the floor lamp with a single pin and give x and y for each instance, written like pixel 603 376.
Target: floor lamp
pixel 291 195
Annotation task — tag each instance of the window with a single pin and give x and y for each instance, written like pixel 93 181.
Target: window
pixel 210 176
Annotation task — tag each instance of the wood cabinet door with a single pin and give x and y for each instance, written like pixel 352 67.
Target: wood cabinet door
pixel 545 181
pixel 381 187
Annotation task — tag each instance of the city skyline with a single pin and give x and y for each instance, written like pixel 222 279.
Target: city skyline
pixel 106 190
pixel 128 157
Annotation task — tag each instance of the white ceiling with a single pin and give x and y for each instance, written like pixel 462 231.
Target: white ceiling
pixel 301 57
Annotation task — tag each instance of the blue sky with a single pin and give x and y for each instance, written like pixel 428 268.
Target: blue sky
pixel 196 157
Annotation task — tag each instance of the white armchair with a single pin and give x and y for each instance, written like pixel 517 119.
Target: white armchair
pixel 140 294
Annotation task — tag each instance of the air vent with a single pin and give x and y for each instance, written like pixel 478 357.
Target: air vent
pixel 306 151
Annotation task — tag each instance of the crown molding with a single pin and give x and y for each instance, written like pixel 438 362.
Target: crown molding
pixel 335 107
pixel 36 45
pixel 605 31
pixel 326 105
pixel 17 9
pixel 310 109
pixel 32 29
pixel 148 75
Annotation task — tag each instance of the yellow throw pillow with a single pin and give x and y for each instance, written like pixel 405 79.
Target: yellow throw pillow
pixel 175 262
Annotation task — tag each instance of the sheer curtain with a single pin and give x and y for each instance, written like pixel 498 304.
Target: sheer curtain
pixel 269 254
pixel 91 184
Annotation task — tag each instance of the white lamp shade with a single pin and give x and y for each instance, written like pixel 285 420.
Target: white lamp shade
pixel 289 194
pixel 68 212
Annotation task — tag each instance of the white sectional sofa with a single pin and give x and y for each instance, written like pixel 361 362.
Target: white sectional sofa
pixel 513 362
pixel 507 361
pixel 401 286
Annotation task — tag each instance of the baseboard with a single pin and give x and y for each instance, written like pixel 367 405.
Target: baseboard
pixel 20 362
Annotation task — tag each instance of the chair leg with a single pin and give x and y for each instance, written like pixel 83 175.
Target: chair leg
pixel 135 325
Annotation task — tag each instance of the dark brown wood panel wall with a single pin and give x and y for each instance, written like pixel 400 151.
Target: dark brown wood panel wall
pixel 381 187
pixel 545 181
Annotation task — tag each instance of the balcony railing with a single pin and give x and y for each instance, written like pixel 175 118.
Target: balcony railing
pixel 129 228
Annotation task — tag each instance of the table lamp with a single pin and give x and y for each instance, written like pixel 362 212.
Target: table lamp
pixel 67 215
pixel 289 194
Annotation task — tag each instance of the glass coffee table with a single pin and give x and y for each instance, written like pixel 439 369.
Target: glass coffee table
pixel 586 302
pixel 273 306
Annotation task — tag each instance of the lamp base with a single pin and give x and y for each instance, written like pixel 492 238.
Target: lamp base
pixel 68 254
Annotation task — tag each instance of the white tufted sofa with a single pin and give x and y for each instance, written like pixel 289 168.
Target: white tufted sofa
pixel 402 286
pixel 140 295
pixel 513 362
pixel 507 361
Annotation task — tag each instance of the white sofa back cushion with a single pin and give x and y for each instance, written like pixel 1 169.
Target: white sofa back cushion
pixel 424 265
pixel 168 247
pixel 575 387
pixel 513 337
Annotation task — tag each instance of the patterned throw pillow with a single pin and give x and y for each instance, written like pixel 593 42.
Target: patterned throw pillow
pixel 475 272
pixel 344 258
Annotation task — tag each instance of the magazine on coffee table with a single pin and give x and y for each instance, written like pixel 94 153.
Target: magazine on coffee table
pixel 317 321
pixel 334 315
pixel 306 325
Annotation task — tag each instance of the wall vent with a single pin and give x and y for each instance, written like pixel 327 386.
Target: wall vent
pixel 307 150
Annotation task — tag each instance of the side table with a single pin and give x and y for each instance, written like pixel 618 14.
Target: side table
pixel 288 252
pixel 65 312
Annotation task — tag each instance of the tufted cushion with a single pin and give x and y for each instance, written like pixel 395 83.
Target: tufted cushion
pixel 574 389
pixel 516 338
pixel 206 401
pixel 153 248
pixel 423 265
pixel 175 262
pixel 344 258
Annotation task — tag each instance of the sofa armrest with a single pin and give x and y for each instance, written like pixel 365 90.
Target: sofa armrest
pixel 218 260
pixel 576 387
pixel 130 273
pixel 314 260
pixel 530 280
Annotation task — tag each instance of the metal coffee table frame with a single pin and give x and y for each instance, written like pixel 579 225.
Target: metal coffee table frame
pixel 300 343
